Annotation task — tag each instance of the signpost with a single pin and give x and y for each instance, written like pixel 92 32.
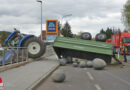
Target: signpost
pixel 51 29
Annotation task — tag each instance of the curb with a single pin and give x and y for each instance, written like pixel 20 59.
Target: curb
pixel 42 78
pixel 10 66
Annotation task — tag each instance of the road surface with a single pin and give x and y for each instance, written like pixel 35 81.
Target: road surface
pixel 112 78
pixel 22 77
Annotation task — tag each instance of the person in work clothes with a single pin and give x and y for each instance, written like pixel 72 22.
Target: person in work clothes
pixel 124 53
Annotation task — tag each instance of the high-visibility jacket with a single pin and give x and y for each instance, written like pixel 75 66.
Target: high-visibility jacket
pixel 124 49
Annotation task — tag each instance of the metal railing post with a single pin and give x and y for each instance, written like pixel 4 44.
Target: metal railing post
pixel 17 55
pixel 3 62
pixel 14 55
pixel 27 54
pixel 11 59
pixel 22 54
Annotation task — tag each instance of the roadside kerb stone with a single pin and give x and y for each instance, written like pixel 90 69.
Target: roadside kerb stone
pixel 11 66
pixel 41 79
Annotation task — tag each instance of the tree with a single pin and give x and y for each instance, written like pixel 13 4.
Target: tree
pixel 126 15
pixel 102 31
pixel 3 36
pixel 59 25
pixel 66 30
pixel 125 30
pixel 108 32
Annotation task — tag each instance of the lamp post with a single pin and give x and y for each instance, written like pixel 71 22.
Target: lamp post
pixel 41 16
pixel 64 16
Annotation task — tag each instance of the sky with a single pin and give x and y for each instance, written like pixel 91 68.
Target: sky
pixel 87 15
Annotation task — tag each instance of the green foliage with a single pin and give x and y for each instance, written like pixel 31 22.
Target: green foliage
pixel 126 15
pixel 125 31
pixel 110 31
pixel 78 36
pixel 102 31
pixel 3 36
pixel 59 25
pixel 80 32
pixel 66 30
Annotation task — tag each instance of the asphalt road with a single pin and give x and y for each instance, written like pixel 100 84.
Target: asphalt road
pixel 112 78
pixel 22 77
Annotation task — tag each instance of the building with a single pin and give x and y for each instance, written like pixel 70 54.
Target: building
pixel 44 34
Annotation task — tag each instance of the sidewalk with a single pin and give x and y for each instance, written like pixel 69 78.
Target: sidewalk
pixel 22 77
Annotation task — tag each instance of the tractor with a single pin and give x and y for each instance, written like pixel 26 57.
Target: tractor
pixel 35 46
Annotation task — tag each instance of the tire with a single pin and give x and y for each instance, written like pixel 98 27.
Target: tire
pixel 101 37
pixel 86 36
pixel 36 47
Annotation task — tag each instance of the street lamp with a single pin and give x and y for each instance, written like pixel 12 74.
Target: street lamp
pixel 41 16
pixel 64 16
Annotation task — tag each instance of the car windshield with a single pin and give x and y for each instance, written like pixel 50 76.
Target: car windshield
pixel 127 40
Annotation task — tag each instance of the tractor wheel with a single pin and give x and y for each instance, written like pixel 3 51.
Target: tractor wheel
pixel 36 47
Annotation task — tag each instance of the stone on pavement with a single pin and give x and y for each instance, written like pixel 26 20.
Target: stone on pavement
pixel 99 64
pixel 62 61
pixel 82 64
pixel 58 76
pixel 75 64
pixel 75 60
pixel 69 59
pixel 90 64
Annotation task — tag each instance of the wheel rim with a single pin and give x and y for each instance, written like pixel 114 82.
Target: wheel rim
pixel 34 48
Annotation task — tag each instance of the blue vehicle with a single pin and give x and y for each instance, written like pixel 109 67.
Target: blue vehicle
pixel 36 47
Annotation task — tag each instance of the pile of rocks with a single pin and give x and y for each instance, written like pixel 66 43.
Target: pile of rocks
pixel 97 63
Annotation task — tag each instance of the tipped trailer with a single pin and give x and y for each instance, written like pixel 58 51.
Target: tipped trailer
pixel 85 49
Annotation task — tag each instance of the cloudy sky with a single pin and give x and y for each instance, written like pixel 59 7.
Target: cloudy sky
pixel 87 15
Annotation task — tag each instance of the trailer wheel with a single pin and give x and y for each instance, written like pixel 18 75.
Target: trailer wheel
pixel 101 37
pixel 36 47
pixel 86 36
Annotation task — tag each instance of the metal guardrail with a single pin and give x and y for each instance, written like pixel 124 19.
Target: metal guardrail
pixel 12 55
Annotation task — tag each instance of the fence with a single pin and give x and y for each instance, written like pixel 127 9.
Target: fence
pixel 11 55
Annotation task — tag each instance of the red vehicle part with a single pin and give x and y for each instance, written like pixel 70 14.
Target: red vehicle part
pixel 120 40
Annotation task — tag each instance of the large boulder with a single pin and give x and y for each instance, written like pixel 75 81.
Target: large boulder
pixel 82 64
pixel 58 76
pixel 75 64
pixel 99 64
pixel 62 61
pixel 89 64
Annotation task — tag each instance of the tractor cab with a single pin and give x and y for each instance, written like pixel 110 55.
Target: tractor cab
pixel 35 46
pixel 13 39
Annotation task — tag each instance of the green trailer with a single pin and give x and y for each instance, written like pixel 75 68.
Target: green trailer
pixel 84 49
